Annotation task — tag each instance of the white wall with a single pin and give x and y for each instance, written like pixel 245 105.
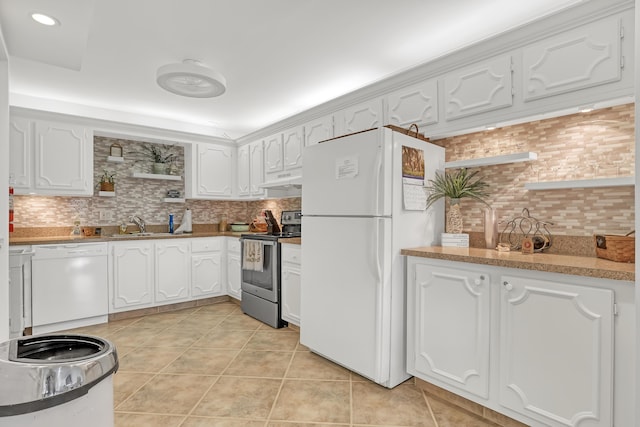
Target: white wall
pixel 4 192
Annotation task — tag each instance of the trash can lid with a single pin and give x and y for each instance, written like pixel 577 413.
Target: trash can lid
pixel 43 371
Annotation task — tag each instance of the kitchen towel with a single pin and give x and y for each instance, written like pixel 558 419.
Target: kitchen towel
pixel 252 256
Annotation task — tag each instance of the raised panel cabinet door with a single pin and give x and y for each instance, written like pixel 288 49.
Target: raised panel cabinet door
pixel 273 154
pixel 291 293
pixel 63 159
pixel 479 88
pixel 256 154
pixel 244 171
pixel 172 270
pixel 367 115
pixel 556 351
pixel 234 276
pixel 292 144
pixel 414 104
pixel 580 58
pixel 449 326
pixel 215 170
pixel 318 130
pixel 20 153
pixel 132 267
pixel 206 274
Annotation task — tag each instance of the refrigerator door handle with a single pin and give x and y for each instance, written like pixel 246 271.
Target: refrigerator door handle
pixel 379 300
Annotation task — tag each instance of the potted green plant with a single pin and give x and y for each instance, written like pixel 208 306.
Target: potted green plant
pixel 107 181
pixel 160 155
pixel 456 185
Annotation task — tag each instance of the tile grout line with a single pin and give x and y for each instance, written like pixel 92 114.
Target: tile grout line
pixel 433 415
pixel 221 373
pixel 284 376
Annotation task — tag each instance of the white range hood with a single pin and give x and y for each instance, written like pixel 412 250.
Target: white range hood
pixel 284 187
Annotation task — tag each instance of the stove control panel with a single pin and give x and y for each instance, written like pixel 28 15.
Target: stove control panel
pixel 291 217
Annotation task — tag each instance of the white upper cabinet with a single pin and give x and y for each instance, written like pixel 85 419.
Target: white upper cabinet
pixel 209 171
pixel 318 130
pixel 283 155
pixel 292 144
pixel 584 57
pixel 250 169
pixel 256 168
pixel 273 153
pixel 244 172
pixel 20 153
pixel 367 115
pixel 50 158
pixel 64 159
pixel 414 104
pixel 478 88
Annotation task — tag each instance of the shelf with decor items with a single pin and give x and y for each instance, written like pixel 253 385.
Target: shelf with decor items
pixel 156 176
pixel 115 159
pixel 173 200
pixel 621 181
pixel 106 193
pixel 525 156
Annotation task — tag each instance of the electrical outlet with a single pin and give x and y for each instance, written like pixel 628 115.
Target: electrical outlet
pixel 105 215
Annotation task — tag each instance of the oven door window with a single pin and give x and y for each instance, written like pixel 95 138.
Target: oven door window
pixel 261 283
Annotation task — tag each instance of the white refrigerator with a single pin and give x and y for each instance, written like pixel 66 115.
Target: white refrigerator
pixel 358 213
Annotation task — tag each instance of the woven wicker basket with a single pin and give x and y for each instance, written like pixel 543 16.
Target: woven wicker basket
pixel 615 248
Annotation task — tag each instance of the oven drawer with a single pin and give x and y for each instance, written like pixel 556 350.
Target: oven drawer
pixel 291 254
pixel 233 245
pixel 207 244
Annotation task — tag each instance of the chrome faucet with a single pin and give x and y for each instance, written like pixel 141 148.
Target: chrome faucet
pixel 139 222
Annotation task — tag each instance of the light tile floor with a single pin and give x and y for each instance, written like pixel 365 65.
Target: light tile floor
pixel 214 366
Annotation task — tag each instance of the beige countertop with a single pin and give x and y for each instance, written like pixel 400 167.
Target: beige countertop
pixel 45 240
pixel 567 264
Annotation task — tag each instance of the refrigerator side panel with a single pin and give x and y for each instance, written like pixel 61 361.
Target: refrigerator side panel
pixel 410 229
pixel 345 283
pixel 348 176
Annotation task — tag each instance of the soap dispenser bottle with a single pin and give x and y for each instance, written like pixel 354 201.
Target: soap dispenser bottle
pixel 171 223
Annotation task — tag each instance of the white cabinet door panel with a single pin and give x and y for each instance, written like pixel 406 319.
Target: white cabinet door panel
pixel 318 130
pixel 244 171
pixel 214 170
pixel 556 351
pixel 172 270
pixel 580 58
pixel 273 154
pixel 132 267
pixel 449 332
pixel 414 104
pixel 206 274
pixel 20 153
pixel 478 88
pixel 292 144
pixel 367 115
pixel 256 166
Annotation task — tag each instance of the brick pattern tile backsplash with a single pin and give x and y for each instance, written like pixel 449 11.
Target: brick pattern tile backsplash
pixel 597 144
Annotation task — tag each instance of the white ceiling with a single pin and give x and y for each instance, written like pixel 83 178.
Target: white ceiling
pixel 279 57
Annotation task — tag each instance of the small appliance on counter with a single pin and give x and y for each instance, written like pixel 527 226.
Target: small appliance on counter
pixel 261 265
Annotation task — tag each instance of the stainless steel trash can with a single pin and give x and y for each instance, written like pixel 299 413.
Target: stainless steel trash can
pixel 56 381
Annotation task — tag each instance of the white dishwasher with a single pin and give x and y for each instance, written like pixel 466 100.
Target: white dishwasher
pixel 69 286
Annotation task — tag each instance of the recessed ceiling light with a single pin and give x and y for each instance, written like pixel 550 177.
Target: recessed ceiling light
pixel 43 19
pixel 191 78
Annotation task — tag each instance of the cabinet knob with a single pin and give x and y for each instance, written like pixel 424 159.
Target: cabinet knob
pixel 479 280
pixel 508 286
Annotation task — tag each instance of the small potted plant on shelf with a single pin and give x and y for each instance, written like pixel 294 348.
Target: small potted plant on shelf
pixel 456 185
pixel 107 181
pixel 161 157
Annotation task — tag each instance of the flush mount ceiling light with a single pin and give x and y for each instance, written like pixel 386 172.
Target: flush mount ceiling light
pixel 191 78
pixel 43 19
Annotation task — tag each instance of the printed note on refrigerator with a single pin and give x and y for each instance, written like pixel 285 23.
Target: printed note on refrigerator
pixel 413 192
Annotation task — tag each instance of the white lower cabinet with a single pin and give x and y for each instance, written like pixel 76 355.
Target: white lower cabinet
pixel 207 272
pixel 538 347
pixel 172 270
pixel 449 339
pixel 290 282
pixel 131 281
pixel 556 351
pixel 234 268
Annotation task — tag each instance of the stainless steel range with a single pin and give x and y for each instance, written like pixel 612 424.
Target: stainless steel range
pixel 261 293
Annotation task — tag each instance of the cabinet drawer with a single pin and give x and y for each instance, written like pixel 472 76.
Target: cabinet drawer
pixel 291 253
pixel 233 245
pixel 206 244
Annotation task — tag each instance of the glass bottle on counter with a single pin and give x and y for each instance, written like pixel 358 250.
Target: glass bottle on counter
pixel 222 226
